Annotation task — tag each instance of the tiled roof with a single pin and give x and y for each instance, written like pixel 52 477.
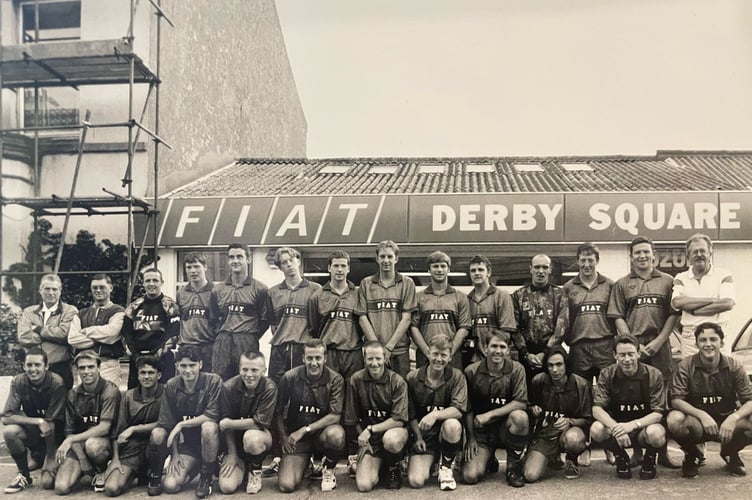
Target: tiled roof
pixel 666 171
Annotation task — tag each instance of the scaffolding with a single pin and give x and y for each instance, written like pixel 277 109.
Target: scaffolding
pixel 82 63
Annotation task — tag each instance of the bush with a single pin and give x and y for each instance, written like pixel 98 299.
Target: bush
pixel 8 344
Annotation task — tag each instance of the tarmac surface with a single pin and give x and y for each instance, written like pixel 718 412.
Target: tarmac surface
pixel 595 482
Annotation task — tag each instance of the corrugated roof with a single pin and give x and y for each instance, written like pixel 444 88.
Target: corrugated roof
pixel 666 171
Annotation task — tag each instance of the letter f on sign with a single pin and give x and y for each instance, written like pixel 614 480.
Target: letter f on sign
pixel 185 219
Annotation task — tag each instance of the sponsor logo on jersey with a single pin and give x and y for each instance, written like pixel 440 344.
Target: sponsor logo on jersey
pixel 387 304
pixel 498 401
pixel 632 407
pixel 340 314
pixel 378 413
pixel 309 410
pixel 197 312
pixel 90 419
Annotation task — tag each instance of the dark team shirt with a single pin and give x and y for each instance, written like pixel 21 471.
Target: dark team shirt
pixel 587 310
pixel 99 316
pixel 384 306
pixel 242 308
pixel 46 400
pixel 423 399
pixel 84 410
pixel 645 304
pixel 715 392
pixel 288 311
pixel 136 409
pixel 441 314
pixel 542 316
pixel 487 391
pixel 198 314
pixel 370 401
pixel 333 320
pixel 149 323
pixel 302 401
pixel 177 404
pixel 493 310
pixel 573 400
pixel 627 398
pixel 258 403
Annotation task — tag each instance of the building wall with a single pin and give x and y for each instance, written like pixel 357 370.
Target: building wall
pixel 228 89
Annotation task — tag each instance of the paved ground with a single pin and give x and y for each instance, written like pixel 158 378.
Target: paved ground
pixel 596 481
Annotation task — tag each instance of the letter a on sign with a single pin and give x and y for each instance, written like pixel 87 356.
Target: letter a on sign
pixel 295 220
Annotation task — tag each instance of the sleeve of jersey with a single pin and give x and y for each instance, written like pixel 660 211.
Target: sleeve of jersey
pixel 463 310
pixel 459 391
pixel 399 398
pixel 313 315
pixel 519 385
pixel 602 392
pixel 586 401
pixel 213 398
pixel 265 411
pixel 110 403
pixel 122 420
pixel 225 406
pixel 166 418
pixel 173 319
pixel 337 395
pixel 534 390
pixel 742 382
pixel 283 394
pixel 13 403
pixel 411 412
pixel 361 308
pixel 352 403
pixel 468 383
pixel 505 313
pixel 70 413
pixel 261 304
pixel 680 385
pixel 658 392
pixel 409 301
pixel 56 409
pixel 616 302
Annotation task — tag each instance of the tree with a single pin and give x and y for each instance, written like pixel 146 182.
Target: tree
pixel 86 254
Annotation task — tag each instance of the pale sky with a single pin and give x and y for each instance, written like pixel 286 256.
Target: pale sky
pixel 521 77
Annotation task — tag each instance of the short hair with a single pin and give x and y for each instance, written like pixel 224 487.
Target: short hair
pixel 557 350
pixel 480 259
pixel 36 351
pixel 627 339
pixel 339 254
pixel 54 278
pixel 188 351
pixel 152 270
pixel 588 248
pixel 440 342
pixel 699 237
pixel 150 360
pixel 501 335
pixel 241 246
pixel 387 244
pixel 194 258
pixel 708 325
pixel 288 250
pixel 438 257
pixel 102 276
pixel 374 344
pixel 315 344
pixel 639 240
pixel 540 255
pixel 87 354
pixel 252 354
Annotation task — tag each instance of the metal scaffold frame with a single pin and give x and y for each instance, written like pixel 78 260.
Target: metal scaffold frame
pixel 70 64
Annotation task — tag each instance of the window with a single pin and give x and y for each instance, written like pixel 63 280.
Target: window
pixel 58 21
pixel 576 167
pixel 383 169
pixel 335 169
pixel 57 106
pixel 480 168
pixel 427 168
pixel 528 167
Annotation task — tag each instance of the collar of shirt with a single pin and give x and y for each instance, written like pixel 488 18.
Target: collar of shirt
pixel 44 386
pixel 397 278
pixel 328 286
pixel 80 389
pixel 200 384
pixel 208 286
pixel 655 273
pixel 138 394
pixel 321 381
pixel 506 368
pixel 696 364
pixel 303 283
pixel 384 379
pixel 445 376
pixel 693 276
pixel 449 289
pixel 491 290
pixel 599 279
